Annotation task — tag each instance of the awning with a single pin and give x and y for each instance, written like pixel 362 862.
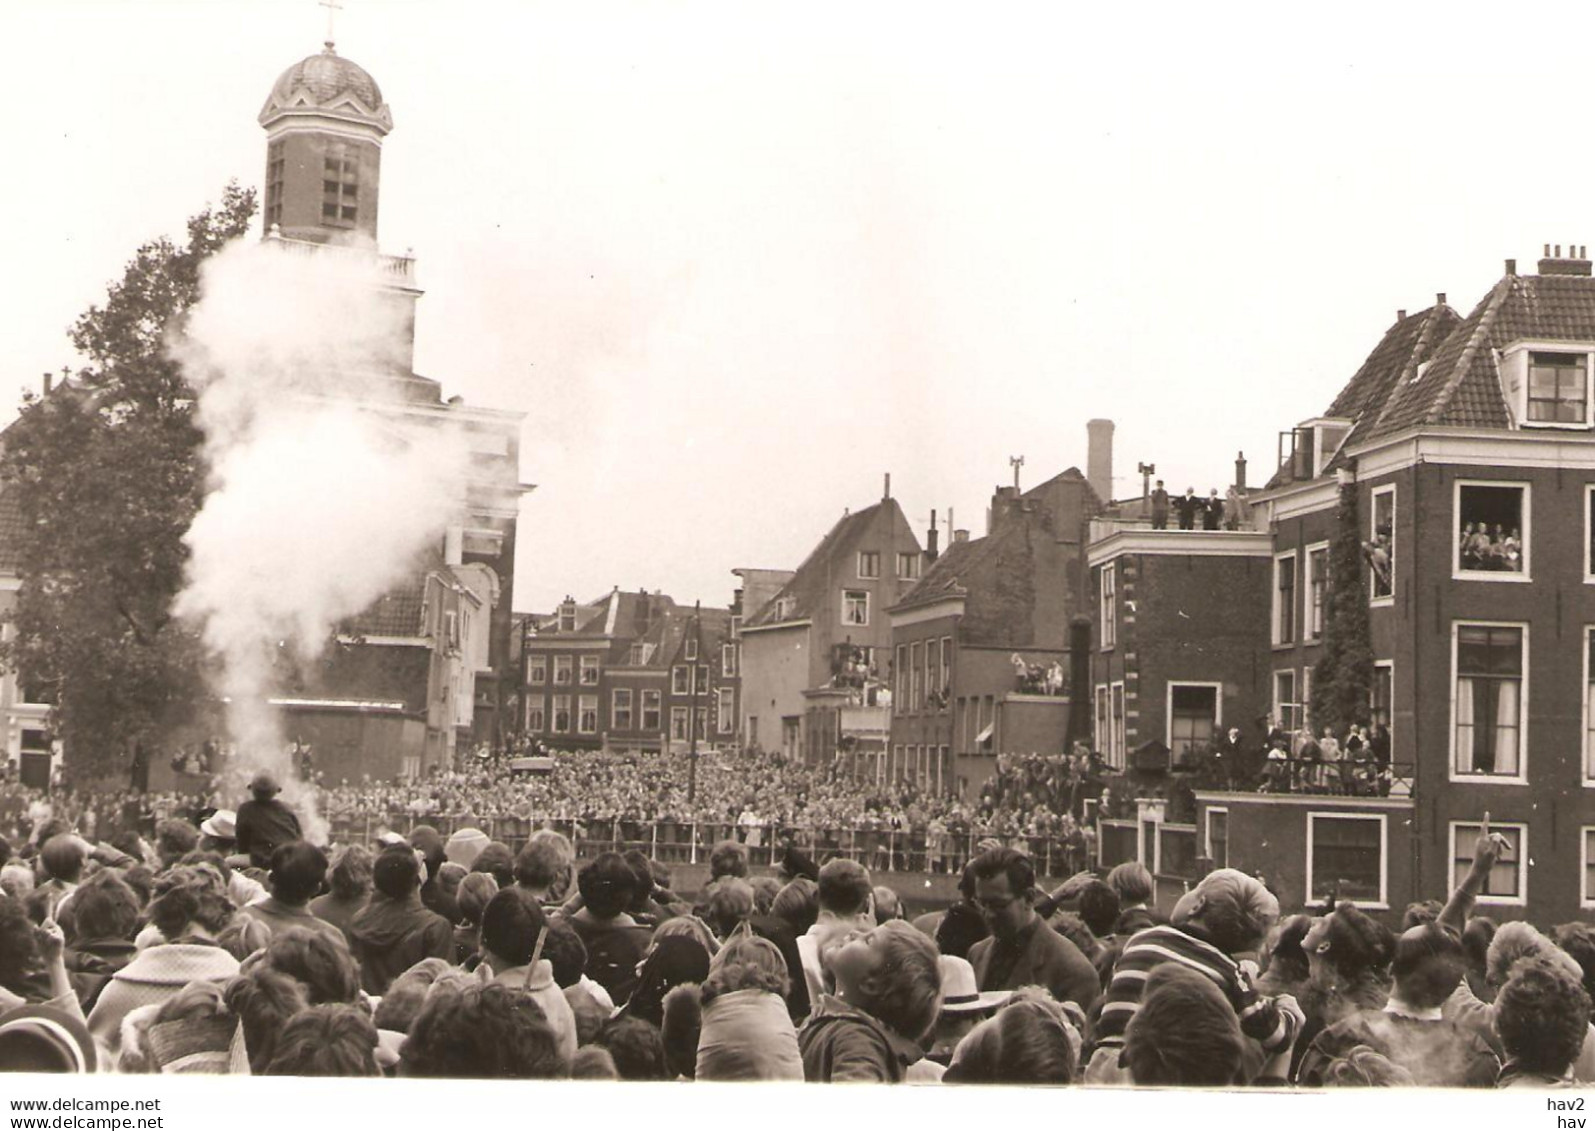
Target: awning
pixel 985 736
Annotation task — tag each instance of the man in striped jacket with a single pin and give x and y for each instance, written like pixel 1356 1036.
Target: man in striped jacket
pixel 1225 915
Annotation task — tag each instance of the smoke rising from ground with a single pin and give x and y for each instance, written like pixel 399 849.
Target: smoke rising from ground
pixel 318 502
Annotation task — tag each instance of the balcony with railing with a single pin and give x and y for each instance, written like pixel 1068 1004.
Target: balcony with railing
pixel 394 270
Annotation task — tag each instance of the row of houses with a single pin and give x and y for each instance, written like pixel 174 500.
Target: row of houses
pixel 879 655
pixel 1465 448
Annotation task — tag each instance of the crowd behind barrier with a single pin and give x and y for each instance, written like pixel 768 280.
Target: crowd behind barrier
pixel 418 946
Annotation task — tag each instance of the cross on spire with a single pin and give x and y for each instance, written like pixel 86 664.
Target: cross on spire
pixel 333 8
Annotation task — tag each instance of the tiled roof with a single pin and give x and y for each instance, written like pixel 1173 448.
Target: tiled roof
pixel 398 613
pixel 1460 385
pixel 1384 374
pixel 943 578
pixel 810 584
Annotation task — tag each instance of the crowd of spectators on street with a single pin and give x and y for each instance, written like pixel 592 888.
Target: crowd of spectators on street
pixel 236 946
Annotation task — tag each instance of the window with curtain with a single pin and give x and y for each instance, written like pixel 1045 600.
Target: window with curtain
pixel 1489 707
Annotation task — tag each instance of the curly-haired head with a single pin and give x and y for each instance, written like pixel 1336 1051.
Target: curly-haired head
pixel 1099 907
pixel 263 1000
pixel 104 907
pixel 1542 1016
pixel 175 838
pixel 470 1029
pixel 189 896
pixel 728 858
pixel 1578 940
pixel 320 960
pixel 636 1046
pixel 350 877
pixel 326 1040
pixel 747 962
pixel 765 889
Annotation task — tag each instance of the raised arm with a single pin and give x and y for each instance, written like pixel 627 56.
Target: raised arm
pixel 1486 851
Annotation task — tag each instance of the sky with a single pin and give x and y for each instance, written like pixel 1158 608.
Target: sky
pixel 738 261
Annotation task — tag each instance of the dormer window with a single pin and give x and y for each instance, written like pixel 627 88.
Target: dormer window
pixel 692 648
pixel 1558 389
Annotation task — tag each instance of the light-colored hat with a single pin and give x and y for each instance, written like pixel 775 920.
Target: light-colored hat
pixel 222 824
pixel 958 988
pixel 465 846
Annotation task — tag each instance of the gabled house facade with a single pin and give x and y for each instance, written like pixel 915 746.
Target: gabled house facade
pixel 823 641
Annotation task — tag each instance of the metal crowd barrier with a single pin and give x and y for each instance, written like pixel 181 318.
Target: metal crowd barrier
pixel 674 842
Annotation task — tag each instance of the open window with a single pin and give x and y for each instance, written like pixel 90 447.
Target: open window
pixel 1491 539
pixel 1380 549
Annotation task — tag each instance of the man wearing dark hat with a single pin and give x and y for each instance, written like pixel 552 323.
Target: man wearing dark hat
pixel 264 824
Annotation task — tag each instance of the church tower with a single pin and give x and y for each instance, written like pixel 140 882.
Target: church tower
pixel 324 121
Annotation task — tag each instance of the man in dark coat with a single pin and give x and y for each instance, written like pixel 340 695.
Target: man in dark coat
pixel 394 930
pixel 1023 949
pixel 1160 507
pixel 1188 505
pixel 264 824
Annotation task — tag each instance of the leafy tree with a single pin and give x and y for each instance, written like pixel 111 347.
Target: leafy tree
pixel 1343 677
pixel 107 473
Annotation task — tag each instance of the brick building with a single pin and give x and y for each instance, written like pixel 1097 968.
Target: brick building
pixel 981 643
pixel 1468 444
pixel 631 671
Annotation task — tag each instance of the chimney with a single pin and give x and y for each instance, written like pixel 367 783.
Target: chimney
pixel 931 548
pixel 49 383
pixel 1099 458
pixel 1003 504
pixel 1439 299
pixel 1576 262
pixel 1400 314
pixel 1511 267
pixel 454 546
pixel 1240 472
pixel 960 536
pixel 887 489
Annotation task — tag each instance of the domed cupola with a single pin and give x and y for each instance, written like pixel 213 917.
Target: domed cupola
pixel 328 85
pixel 324 120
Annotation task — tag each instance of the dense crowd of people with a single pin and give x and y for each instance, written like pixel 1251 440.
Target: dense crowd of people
pixel 239 947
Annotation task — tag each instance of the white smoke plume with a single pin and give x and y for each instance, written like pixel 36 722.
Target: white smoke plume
pixel 318 501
